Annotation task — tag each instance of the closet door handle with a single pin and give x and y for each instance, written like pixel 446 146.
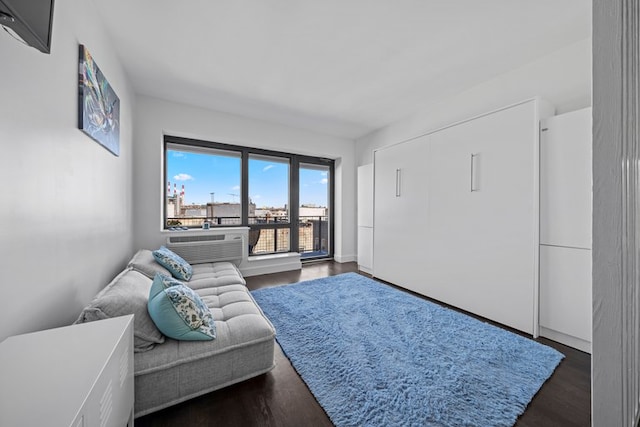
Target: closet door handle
pixel 398 177
pixel 473 172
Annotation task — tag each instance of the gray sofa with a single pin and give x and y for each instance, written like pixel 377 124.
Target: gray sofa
pixel 169 371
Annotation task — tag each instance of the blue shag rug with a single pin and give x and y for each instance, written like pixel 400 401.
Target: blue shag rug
pixel 373 355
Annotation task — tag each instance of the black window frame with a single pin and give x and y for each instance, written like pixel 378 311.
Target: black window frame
pixel 294 190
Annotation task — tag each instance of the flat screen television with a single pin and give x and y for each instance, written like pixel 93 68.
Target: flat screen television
pixel 29 20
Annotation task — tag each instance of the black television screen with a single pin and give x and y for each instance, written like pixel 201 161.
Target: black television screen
pixel 30 20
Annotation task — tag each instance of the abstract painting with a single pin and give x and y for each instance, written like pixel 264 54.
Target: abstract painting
pixel 98 104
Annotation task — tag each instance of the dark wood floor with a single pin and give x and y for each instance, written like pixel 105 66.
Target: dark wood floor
pixel 280 397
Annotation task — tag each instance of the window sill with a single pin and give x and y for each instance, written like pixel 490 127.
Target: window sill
pixel 216 230
pixel 287 255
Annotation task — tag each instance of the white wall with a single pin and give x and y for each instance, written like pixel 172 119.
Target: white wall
pixel 155 118
pixel 65 214
pixel 562 78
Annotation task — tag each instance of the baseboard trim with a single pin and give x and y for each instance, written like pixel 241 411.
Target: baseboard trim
pixel 344 258
pixel 365 269
pixel 565 339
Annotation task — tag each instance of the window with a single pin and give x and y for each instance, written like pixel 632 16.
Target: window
pixel 269 184
pixel 203 186
pixel 313 212
pixel 285 199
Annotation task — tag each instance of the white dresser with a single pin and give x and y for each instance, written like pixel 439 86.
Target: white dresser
pixel 79 376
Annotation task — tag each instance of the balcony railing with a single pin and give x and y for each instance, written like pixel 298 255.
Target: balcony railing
pixel 313 237
pixel 198 221
pixel 313 233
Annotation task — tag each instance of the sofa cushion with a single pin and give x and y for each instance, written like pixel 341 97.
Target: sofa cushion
pixel 179 312
pixel 215 275
pixel 179 268
pixel 244 346
pixel 127 293
pixel 239 322
pixel 144 262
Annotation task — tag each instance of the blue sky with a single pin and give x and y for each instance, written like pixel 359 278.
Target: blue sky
pixel 203 174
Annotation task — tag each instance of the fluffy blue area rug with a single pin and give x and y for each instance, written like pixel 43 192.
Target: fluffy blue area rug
pixel 376 356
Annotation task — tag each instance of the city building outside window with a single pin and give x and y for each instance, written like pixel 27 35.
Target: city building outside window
pixel 203 186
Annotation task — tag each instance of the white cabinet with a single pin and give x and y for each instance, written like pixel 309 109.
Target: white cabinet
pixel 565 180
pixel 565 295
pixel 365 249
pixel 365 218
pixel 483 215
pixel 80 375
pixel 565 229
pixel 365 195
pixel 400 207
pixel 457 214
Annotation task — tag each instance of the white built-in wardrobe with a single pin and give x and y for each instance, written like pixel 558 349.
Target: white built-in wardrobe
pixel 456 214
pixel 565 228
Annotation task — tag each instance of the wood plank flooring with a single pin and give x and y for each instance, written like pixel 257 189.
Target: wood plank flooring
pixel 281 398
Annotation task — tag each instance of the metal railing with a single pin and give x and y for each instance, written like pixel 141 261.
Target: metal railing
pixel 313 232
pixel 198 221
pixel 268 219
pixel 269 240
pixel 313 237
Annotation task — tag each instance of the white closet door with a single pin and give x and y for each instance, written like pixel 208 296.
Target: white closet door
pixel 365 249
pixel 400 198
pixel 565 228
pixel 482 216
pixel 565 180
pixel 365 195
pixel 365 218
pixel 565 291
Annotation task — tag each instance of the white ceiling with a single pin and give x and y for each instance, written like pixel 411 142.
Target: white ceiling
pixel 340 67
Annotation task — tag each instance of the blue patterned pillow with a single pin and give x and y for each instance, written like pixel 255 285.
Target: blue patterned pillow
pixel 179 312
pixel 162 282
pixel 180 268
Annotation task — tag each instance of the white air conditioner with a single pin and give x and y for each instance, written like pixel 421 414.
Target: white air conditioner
pixel 201 248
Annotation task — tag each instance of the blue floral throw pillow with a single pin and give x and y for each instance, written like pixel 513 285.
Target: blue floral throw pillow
pixel 180 268
pixel 179 312
pixel 162 282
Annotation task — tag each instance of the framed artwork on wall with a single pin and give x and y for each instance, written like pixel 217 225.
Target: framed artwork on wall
pixel 98 104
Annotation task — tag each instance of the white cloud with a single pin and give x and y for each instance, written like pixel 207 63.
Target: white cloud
pixel 183 177
pixel 266 168
pixel 235 187
pixel 178 154
pixel 324 181
pixel 324 173
pixel 257 196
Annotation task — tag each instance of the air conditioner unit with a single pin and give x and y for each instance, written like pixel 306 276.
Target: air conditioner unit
pixel 201 248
